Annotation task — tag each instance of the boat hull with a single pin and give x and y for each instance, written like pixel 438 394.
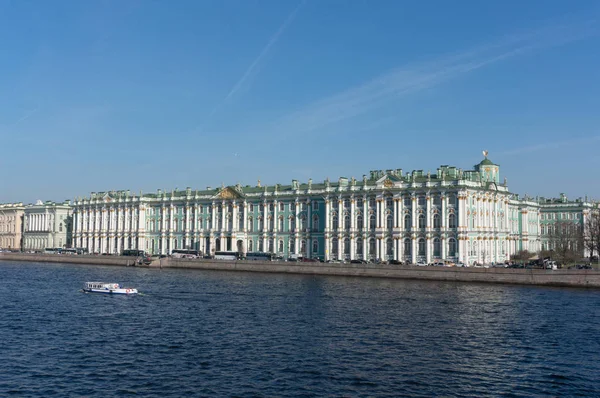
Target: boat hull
pixel 112 291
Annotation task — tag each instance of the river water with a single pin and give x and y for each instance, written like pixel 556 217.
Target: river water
pixel 210 333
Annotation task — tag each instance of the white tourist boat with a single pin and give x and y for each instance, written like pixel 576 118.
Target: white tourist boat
pixel 108 288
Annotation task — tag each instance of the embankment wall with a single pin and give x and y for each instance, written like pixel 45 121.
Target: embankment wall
pixel 562 277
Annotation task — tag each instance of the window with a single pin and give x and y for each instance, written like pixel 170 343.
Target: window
pixel 250 224
pixel 251 207
pixel 359 246
pixel 270 245
pixel 421 245
pixel 315 223
pixel 407 221
pixel 359 222
pixel 250 246
pixel 347 221
pixel 281 206
pixel 407 247
pixel 334 246
pixel 347 246
pixel 452 221
pixel 280 224
pixel 346 203
pixel 389 202
pixel 452 247
pixel 292 246
pixel 372 202
pixel 292 223
pixel 372 247
pixel 407 201
pixel 271 207
pixel 359 202
pixel 437 248
pixel 261 247
pixel 436 221
pixel 315 247
pixel 421 200
pixel 315 206
pixel 334 222
pixel 421 220
pixel 372 221
pixel 390 221
pixel 60 227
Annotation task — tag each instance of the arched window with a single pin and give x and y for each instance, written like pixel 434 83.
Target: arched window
pixel 292 246
pixel 315 224
pixel 250 224
pixel 421 247
pixel 407 247
pixel 372 221
pixel 437 248
pixel 390 247
pixel 421 220
pixel 241 221
pixel 302 222
pixel 359 222
pixel 372 247
pixel 452 247
pixel 347 246
pixel 292 223
pixel 452 220
pixel 280 246
pixel 315 247
pixel 359 246
pixel 271 221
pixel 271 246
pixel 346 221
pixel 334 246
pixel 436 221
pixel 280 223
pixel 261 224
pixel 334 223
pixel 407 222
pixel 261 247
pixel 503 248
pixel 390 221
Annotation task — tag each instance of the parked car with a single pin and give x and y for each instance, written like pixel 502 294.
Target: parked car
pixel 439 264
pixel 421 263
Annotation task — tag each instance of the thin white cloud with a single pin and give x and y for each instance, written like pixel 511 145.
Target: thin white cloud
pixel 412 79
pixel 240 83
pixel 25 117
pixel 545 146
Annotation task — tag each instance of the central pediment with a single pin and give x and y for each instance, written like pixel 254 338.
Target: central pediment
pixel 228 193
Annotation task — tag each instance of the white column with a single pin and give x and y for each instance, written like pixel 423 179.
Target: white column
pixel 352 218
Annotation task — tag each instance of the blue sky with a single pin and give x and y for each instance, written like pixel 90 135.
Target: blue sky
pixel 142 95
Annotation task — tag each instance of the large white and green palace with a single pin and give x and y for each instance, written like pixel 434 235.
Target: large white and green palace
pixel 452 214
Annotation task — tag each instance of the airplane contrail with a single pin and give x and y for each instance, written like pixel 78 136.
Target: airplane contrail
pixel 260 56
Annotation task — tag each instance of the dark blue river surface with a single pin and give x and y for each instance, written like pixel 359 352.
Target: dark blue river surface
pixel 207 333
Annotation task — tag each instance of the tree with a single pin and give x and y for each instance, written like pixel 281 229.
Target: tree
pixel 566 241
pixel 591 234
pixel 522 255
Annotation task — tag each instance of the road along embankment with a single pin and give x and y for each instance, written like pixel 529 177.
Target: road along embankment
pixel 60 258
pixel 562 277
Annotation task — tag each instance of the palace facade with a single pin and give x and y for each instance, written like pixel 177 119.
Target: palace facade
pixel 11 226
pixel 452 214
pixel 47 224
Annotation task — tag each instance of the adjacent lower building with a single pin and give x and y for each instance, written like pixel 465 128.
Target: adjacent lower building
pixel 47 225
pixel 453 214
pixel 11 226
